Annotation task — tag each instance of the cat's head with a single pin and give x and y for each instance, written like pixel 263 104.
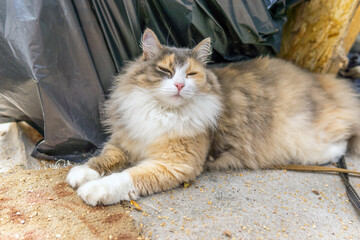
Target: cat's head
pixel 176 76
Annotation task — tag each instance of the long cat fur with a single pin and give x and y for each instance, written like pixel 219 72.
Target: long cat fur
pixel 252 114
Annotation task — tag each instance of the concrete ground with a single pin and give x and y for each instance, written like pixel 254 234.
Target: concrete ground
pixel 267 204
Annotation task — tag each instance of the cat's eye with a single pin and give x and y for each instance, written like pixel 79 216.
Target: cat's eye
pixel 164 70
pixel 191 74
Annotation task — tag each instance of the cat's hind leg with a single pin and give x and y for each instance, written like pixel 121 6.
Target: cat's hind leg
pixel 224 161
pixel 111 158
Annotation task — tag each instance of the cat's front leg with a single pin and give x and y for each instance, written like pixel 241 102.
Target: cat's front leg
pixel 146 178
pixel 109 190
pixel 111 158
pixel 79 175
pixel 176 162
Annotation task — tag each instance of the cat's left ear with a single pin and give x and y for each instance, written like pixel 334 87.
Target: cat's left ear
pixel 203 51
pixel 150 44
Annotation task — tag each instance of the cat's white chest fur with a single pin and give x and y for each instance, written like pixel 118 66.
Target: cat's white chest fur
pixel 145 119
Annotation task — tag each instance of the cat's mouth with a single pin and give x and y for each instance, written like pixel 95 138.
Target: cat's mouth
pixel 176 96
pixel 176 100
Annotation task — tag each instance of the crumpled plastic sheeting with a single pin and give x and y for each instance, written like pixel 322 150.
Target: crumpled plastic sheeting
pixel 239 29
pixel 47 76
pixel 57 58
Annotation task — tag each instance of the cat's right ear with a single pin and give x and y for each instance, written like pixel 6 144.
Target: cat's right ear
pixel 203 51
pixel 150 44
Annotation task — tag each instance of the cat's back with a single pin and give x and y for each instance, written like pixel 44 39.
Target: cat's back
pixel 275 83
pixel 265 84
pixel 263 71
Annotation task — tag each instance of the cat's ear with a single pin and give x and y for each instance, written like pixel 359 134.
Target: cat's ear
pixel 150 44
pixel 203 51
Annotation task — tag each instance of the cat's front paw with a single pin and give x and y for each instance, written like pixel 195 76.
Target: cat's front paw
pixel 108 190
pixel 79 175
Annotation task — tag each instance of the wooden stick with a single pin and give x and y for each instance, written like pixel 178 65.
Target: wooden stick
pixel 312 168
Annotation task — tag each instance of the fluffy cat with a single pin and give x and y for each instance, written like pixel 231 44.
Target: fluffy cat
pixel 170 117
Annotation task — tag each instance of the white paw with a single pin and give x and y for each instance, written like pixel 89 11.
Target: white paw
pixel 79 175
pixel 108 190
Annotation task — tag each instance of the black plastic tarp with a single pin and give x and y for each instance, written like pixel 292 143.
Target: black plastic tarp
pixel 57 58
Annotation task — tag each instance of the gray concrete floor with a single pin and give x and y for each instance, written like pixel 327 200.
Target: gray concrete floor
pixel 267 204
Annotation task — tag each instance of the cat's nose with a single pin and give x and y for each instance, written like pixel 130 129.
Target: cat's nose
pixel 179 86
